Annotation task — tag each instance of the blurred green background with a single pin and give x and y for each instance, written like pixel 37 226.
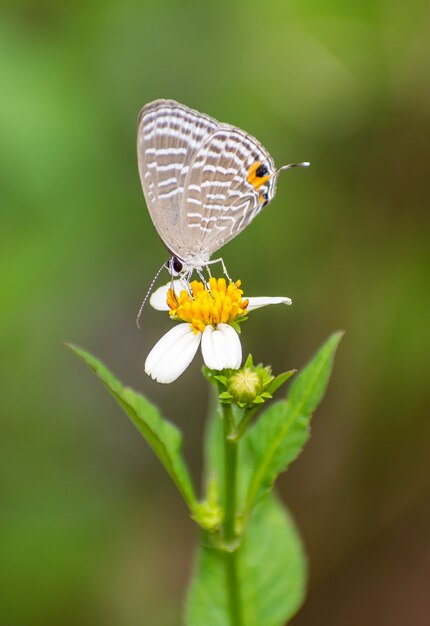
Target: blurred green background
pixel 92 530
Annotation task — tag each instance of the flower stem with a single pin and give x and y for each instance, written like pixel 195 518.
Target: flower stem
pixel 232 582
pixel 244 423
pixel 229 532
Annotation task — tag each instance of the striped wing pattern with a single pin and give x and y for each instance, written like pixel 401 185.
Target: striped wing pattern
pixel 169 135
pixel 194 173
pixel 219 201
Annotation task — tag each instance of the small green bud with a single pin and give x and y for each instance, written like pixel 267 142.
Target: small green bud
pixel 208 514
pixel 250 386
pixel 245 385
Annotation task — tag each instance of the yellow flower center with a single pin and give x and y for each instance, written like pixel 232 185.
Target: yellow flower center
pixel 217 304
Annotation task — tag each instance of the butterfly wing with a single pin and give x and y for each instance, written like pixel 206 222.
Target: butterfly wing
pixel 224 190
pixel 168 138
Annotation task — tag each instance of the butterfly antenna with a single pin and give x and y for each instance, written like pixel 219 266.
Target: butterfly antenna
pixel 291 165
pixel 148 293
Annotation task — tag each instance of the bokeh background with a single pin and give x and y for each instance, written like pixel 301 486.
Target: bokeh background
pixel 92 530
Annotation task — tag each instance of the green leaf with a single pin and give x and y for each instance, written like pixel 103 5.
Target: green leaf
pixel 162 436
pixel 279 380
pixel 281 432
pixel 249 361
pixel 272 571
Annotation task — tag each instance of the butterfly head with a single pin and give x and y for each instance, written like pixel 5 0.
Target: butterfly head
pixel 178 266
pixel 175 266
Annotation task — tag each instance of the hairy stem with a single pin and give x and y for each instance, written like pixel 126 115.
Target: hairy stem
pixel 230 495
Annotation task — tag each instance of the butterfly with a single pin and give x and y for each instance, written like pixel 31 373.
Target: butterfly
pixel 203 181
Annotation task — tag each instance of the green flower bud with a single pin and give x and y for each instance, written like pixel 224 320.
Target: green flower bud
pixel 245 385
pixel 208 513
pixel 248 387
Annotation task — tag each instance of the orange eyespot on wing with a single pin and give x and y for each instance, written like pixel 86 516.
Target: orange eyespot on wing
pixel 258 174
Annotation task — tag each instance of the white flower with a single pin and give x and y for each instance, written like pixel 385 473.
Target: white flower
pixel 209 315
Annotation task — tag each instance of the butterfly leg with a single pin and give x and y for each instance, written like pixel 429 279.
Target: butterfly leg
pixel 224 269
pixel 187 280
pixel 200 275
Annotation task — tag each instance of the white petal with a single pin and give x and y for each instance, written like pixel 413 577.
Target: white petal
pixel 172 354
pixel 257 303
pixel 159 297
pixel 221 347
